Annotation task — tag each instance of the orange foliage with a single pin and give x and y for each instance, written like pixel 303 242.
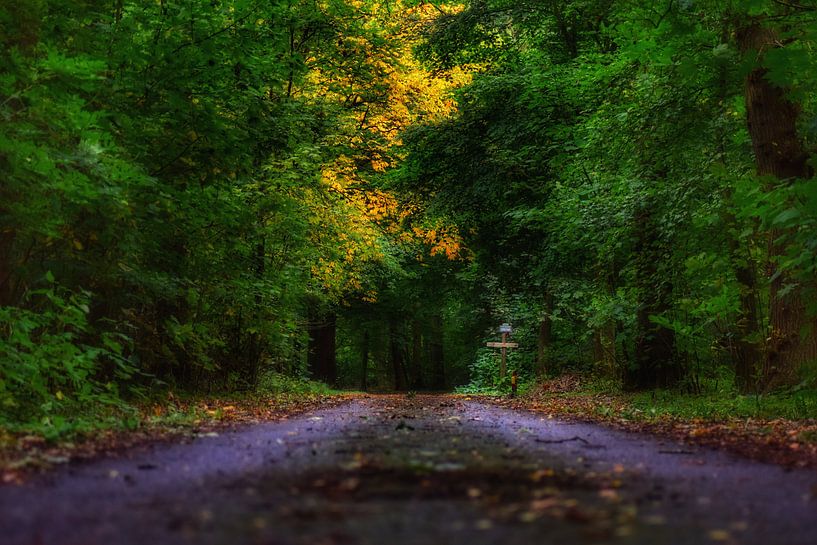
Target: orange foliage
pixel 443 240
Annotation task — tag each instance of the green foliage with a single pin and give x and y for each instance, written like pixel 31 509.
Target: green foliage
pixel 484 374
pixel 167 162
pixel 203 179
pixel 601 160
pixel 278 383
pixel 47 368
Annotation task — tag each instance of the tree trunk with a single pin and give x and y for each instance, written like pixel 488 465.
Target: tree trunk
pixel 254 349
pixel 398 365
pixel 23 33
pixel 544 339
pixel 291 364
pixel 654 364
pixel 436 354
pixel 604 349
pixel 364 363
pixel 6 268
pixel 321 356
pixel 26 23
pixel 779 154
pixel 746 350
pixel 417 354
pixel 745 346
pixel 605 342
pixel 607 348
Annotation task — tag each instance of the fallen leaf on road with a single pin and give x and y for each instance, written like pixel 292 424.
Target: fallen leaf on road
pixel 719 535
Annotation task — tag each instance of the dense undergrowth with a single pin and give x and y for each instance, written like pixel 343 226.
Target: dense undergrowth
pixel 87 430
pixel 70 420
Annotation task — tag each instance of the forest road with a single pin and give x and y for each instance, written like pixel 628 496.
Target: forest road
pixel 426 470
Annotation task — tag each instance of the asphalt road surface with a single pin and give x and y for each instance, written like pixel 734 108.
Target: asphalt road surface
pixel 425 470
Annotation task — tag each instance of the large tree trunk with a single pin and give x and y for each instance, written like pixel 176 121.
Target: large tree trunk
pixel 772 123
pixel 654 364
pixel 321 356
pixel 436 354
pixel 23 32
pixel 544 338
pixel 745 345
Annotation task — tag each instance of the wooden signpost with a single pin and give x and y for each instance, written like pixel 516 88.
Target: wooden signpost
pixel 503 345
pixel 505 329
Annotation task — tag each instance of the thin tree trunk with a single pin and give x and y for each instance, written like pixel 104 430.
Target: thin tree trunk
pixel 297 356
pixel 603 349
pixel 436 354
pixel 779 154
pixel 417 354
pixel 655 365
pixel 364 363
pixel 607 342
pixel 607 346
pixel 544 339
pixel 6 267
pixel 747 349
pixel 253 352
pixel 396 357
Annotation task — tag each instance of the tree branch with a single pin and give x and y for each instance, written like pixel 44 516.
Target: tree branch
pixel 795 6
pixel 214 34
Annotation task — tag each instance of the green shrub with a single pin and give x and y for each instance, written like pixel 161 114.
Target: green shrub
pixel 277 383
pixel 49 367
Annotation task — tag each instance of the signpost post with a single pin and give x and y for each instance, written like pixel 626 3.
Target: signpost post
pixel 505 329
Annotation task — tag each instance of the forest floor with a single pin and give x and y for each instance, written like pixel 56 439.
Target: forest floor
pixel 24 453
pixel 760 434
pixel 414 470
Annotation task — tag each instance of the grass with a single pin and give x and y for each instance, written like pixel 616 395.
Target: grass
pixel 801 405
pixel 718 400
pixel 70 421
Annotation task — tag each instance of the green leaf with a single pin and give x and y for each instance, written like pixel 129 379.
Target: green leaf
pixel 786 216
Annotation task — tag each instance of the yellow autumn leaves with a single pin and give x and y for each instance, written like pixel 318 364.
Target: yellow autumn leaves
pixel 369 221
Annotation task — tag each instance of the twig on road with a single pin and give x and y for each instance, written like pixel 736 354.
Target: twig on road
pixel 555 441
pixel 587 444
